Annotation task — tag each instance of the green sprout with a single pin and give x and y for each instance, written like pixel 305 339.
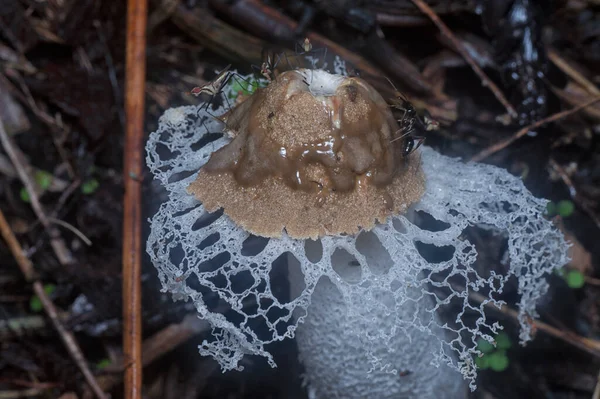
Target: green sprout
pixel 90 186
pixel 574 278
pixel 104 363
pixel 24 195
pixel 563 208
pixel 243 88
pixel 494 353
pixel 35 304
pixel 43 179
pixel 498 361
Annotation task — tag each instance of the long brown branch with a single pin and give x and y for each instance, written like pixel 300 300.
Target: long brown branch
pixel 27 269
pixel 485 80
pixel 588 345
pixel 504 143
pixel 267 22
pixel 132 219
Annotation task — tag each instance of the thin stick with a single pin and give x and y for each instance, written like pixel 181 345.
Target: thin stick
pixel 572 72
pixel 27 269
pixel 596 394
pixel 74 229
pixel 591 346
pixel 26 393
pixel 425 9
pixel 158 345
pixel 504 143
pixel 137 11
pixel 58 245
pixel 573 192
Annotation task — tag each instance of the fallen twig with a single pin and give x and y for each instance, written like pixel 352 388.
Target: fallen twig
pixel 465 53
pixel 58 245
pixel 266 21
pixel 591 346
pixel 135 79
pixel 158 345
pixel 73 229
pixel 504 143
pixel 27 269
pixel 25 393
pixel 572 72
pixel 20 325
pixel 586 344
pixel 235 44
pixel 573 192
pixel 596 394
pixel 54 123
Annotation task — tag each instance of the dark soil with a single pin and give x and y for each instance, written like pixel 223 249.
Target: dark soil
pixel 61 99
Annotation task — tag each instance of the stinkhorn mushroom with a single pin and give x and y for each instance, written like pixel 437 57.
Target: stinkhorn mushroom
pixel 315 162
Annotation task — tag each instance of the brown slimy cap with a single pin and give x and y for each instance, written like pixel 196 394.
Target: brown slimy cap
pixel 314 154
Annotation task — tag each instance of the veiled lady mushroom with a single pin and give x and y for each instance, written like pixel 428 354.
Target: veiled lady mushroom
pixel 319 155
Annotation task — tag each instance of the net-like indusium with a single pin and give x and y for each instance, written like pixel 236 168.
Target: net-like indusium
pixel 208 259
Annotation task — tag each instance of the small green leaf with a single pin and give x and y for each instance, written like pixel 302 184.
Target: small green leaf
pixel 245 89
pixel 482 362
pixel 565 208
pixel 484 346
pixel 551 208
pixel 575 279
pixel 35 304
pixel 498 361
pixel 503 341
pixel 90 186
pixel 49 289
pixel 102 364
pixel 43 179
pixel 24 195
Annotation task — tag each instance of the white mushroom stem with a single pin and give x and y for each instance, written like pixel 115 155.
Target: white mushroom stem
pixel 336 364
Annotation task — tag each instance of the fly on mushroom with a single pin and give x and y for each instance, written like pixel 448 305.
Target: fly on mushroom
pixel 214 87
pixel 305 49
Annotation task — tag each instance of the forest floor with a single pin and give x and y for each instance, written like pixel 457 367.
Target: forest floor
pixel 61 177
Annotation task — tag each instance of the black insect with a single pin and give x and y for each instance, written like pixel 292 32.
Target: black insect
pixel 215 86
pixel 410 122
pixel 270 61
pixel 305 49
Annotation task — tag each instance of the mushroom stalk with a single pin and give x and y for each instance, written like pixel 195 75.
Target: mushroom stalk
pixel 336 362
